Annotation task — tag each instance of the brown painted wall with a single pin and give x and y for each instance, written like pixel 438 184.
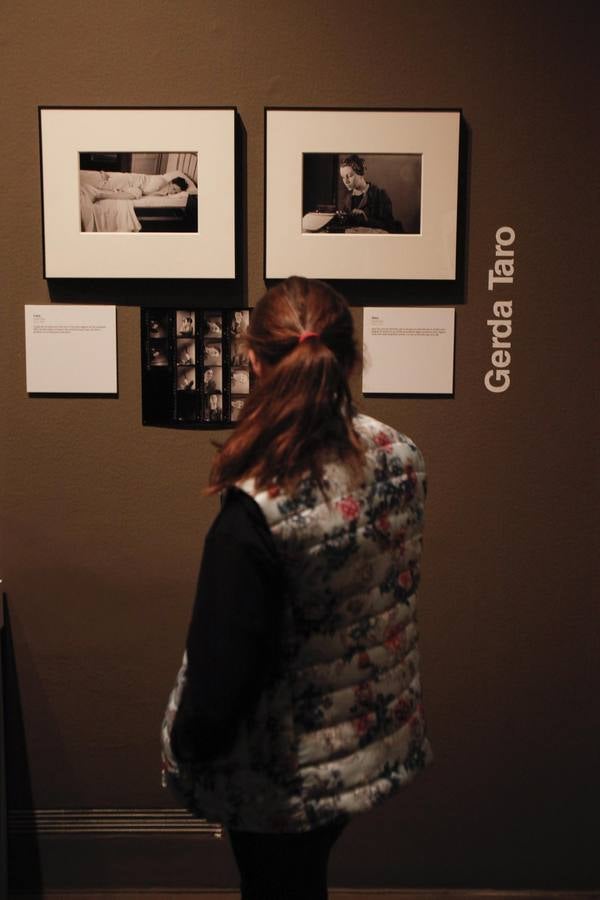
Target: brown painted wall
pixel 103 520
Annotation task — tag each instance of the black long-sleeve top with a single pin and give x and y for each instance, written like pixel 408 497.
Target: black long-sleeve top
pixel 376 206
pixel 232 631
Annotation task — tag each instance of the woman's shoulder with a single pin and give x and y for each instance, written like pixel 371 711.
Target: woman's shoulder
pixel 381 436
pixel 239 512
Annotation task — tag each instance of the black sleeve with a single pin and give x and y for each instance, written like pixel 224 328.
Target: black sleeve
pixel 230 639
pixel 380 213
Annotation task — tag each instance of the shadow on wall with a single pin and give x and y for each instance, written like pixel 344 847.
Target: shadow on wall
pixel 25 862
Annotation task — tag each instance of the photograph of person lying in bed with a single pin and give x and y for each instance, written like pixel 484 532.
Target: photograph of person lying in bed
pixel 139 201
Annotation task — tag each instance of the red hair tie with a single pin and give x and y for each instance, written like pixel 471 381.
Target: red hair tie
pixel 307 334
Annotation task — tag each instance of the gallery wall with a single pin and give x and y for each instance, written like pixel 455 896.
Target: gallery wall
pixel 103 519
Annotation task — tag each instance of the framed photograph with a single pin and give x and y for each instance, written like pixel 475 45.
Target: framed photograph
pixel 138 192
pixel 361 193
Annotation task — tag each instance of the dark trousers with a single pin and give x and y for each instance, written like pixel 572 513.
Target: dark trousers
pixel 285 866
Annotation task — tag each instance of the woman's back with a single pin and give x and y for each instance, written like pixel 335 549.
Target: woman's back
pixel 339 725
pixel 321 536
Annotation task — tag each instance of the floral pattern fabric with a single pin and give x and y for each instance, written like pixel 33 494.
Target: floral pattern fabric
pixel 340 727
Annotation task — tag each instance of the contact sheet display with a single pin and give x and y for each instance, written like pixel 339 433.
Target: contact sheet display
pixel 195 367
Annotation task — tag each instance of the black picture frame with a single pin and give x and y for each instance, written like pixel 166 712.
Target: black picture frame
pixel 140 240
pixel 352 250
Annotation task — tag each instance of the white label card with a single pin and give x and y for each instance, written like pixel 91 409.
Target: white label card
pixel 408 350
pixel 71 349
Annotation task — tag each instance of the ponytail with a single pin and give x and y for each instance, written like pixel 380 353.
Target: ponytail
pixel 300 413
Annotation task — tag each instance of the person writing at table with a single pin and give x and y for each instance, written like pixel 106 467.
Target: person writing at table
pixel 365 204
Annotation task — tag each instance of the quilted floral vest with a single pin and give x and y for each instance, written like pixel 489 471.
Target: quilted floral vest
pixel 340 727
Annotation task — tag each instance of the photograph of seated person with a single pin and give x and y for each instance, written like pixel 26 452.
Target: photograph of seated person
pixel 213 380
pixel 365 204
pixel 239 323
pixel 214 408
pixel 367 193
pixel 185 324
pixel 239 354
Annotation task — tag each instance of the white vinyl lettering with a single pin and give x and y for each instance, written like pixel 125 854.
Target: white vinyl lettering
pixel 504 269
pixel 497 379
pixel 502 309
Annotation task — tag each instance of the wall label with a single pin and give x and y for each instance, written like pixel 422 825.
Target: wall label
pixel 497 379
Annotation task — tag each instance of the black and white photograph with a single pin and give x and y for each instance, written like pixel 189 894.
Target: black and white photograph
pixel 240 322
pixel 138 192
pixel 213 408
pixel 157 326
pixel 197 375
pixel 213 353
pixel 361 193
pixel 158 353
pixel 213 325
pixel 240 381
pixel 213 380
pixel 239 353
pixel 237 404
pixel 186 352
pixel 186 379
pixel 185 322
pixel 123 194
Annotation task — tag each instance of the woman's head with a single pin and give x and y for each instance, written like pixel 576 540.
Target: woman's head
pixel 291 309
pixel 177 185
pixel 302 338
pixel 352 171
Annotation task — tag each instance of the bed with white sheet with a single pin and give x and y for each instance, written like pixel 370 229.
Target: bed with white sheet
pixel 155 208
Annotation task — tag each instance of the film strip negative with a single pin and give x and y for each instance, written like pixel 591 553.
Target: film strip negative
pixel 195 367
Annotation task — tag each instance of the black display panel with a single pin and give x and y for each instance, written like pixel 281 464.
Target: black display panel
pixel 195 367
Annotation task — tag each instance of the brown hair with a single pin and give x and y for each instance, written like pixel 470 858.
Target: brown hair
pixel 300 413
pixel 355 162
